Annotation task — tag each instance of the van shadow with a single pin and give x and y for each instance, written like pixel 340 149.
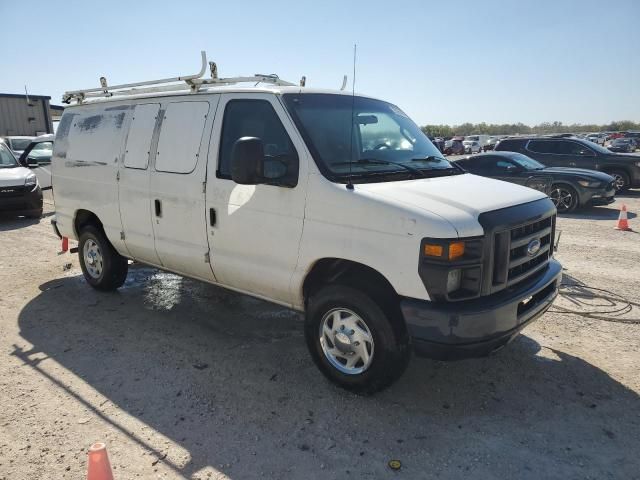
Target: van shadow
pixel 228 379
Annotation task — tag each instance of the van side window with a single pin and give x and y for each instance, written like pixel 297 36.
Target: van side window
pixel 257 118
pixel 136 153
pixel 180 137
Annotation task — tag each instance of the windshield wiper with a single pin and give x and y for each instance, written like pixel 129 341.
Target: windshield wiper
pixel 429 158
pixel 434 158
pixel 374 161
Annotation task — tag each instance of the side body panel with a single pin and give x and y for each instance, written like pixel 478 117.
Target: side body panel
pixel 88 147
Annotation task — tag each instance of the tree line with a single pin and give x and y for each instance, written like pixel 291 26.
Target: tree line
pixel 521 128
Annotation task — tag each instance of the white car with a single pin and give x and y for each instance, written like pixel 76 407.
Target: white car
pixel 471 146
pixel 385 245
pixel 17 144
pixel 598 138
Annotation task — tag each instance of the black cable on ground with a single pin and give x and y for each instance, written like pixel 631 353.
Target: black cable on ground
pixel 616 307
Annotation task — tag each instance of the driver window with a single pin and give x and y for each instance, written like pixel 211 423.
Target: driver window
pixel 257 118
pixel 574 148
pixel 502 167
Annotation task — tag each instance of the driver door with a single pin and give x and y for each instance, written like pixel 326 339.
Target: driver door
pixel 254 230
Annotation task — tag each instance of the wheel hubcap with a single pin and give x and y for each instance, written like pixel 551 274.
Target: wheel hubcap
pixel 562 199
pixel 93 261
pixel 619 181
pixel 346 341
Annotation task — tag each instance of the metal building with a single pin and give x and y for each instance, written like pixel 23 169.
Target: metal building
pixel 24 115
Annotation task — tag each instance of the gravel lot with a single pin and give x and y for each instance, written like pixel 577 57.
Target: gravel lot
pixel 185 380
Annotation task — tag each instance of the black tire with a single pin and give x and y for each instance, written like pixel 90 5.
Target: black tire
pixel 564 197
pixel 35 214
pixel 391 350
pixel 622 180
pixel 114 266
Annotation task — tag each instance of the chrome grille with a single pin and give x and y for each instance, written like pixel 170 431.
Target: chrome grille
pixel 14 191
pixel 515 255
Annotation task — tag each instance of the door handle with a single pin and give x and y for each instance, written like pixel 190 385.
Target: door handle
pixel 212 217
pixel 158 205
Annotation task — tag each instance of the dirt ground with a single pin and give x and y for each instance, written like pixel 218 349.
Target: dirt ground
pixel 185 380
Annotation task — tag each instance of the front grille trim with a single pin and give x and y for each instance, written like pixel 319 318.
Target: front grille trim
pixel 515 224
pixel 520 265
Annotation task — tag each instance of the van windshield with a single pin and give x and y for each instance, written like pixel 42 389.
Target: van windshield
pixel 372 139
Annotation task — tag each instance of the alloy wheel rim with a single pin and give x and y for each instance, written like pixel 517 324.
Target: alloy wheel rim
pixel 618 181
pixel 346 341
pixel 562 199
pixel 93 261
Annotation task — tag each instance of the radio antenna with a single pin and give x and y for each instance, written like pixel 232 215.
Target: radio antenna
pixel 353 101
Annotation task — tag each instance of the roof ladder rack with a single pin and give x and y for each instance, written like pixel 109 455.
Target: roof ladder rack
pixel 191 83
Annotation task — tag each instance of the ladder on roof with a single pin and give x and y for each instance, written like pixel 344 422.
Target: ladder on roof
pixel 191 83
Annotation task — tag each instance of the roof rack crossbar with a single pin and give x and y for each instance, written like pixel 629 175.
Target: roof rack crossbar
pixel 192 83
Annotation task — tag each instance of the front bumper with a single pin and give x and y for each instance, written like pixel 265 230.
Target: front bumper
pixel 20 201
pixel 600 197
pixel 472 328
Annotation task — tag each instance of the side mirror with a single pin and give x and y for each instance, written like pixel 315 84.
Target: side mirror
pixel 247 161
pixel 32 162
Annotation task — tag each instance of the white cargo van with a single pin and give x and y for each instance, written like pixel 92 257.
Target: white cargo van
pixel 333 205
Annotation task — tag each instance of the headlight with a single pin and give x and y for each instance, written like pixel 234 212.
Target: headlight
pixel 31 181
pixel 589 183
pixel 451 268
pixel 454 279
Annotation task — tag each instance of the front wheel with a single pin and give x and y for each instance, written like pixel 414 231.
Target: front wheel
pixel 103 267
pixel 352 340
pixel 564 197
pixel 621 180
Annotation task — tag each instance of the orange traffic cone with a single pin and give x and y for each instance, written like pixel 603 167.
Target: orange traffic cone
pixel 623 223
pixel 99 467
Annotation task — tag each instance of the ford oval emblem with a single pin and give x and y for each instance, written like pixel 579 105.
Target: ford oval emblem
pixel 533 247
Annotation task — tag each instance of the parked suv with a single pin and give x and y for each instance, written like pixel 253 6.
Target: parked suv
pixel 576 152
pixel 335 205
pixel 20 193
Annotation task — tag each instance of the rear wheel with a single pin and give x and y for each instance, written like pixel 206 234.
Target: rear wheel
pixel 102 266
pixel 564 197
pixel 621 180
pixel 352 340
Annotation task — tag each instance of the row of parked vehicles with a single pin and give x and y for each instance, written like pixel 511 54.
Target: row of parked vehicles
pixel 575 171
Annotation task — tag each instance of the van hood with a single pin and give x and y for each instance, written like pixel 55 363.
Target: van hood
pixel 460 199
pixel 13 177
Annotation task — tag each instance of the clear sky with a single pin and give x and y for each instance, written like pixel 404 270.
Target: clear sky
pixel 441 62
